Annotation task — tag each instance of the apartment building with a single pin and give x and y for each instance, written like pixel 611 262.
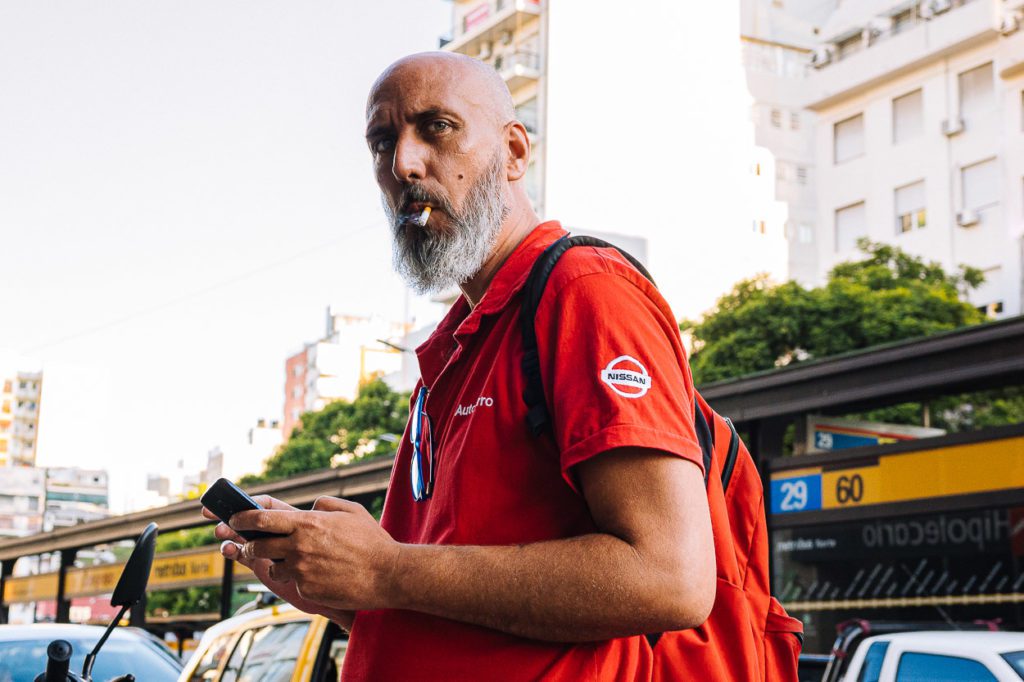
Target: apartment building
pixel 74 496
pixel 644 135
pixel 20 396
pixel 777 39
pixel 510 36
pixel 22 500
pixel 352 351
pixel 919 140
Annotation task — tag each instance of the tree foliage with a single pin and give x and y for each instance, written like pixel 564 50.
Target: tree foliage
pixel 888 296
pixel 341 433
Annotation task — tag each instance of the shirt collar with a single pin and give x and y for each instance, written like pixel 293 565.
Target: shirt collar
pixel 511 276
pixel 462 321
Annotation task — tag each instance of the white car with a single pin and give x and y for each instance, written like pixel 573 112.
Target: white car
pixel 953 656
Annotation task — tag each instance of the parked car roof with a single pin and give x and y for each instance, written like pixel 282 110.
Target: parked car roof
pixel 129 650
pixel 958 640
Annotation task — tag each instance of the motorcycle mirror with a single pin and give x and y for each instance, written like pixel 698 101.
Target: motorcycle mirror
pixel 131 587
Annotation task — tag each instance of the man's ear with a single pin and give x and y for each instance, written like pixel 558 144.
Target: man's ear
pixel 518 151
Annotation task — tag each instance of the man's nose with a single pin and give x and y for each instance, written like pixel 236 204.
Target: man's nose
pixel 409 160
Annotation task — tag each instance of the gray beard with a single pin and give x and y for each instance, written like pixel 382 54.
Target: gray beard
pixel 433 261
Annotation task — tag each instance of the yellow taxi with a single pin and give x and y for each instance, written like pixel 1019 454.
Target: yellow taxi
pixel 278 643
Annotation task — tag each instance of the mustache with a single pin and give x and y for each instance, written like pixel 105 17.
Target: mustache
pixel 417 194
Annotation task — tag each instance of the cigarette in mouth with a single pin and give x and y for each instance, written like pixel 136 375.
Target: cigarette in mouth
pixel 422 220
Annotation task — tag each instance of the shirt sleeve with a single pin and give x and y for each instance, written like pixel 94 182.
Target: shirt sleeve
pixel 614 370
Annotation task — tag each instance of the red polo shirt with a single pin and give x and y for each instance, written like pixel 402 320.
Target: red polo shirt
pixel 615 374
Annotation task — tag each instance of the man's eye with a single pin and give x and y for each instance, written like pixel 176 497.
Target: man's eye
pixel 438 126
pixel 383 145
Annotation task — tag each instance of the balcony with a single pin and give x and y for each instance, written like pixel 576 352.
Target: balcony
pixel 486 24
pixel 882 53
pixel 518 68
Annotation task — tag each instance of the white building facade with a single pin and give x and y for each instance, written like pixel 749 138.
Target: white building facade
pixel 20 401
pixel 777 41
pixel 75 496
pixel 646 136
pixel 919 139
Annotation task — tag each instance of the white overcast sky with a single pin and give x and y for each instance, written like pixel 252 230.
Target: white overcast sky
pixel 150 151
pixel 184 188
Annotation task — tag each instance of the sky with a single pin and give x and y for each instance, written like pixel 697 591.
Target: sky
pixel 184 189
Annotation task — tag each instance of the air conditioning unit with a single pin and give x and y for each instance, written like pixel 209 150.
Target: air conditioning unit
pixel 952 126
pixel 879 25
pixel 1009 23
pixel 822 56
pixel 929 8
pixel 967 218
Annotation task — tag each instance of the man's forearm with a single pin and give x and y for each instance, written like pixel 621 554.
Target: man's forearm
pixel 586 588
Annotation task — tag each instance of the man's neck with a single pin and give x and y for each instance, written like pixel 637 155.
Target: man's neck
pixel 519 223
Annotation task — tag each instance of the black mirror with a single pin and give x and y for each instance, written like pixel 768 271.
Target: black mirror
pixel 132 585
pixel 131 588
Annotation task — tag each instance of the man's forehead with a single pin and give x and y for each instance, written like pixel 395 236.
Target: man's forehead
pixel 409 88
pixel 416 91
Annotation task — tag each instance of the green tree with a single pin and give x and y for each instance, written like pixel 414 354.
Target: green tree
pixel 888 296
pixel 190 599
pixel 341 433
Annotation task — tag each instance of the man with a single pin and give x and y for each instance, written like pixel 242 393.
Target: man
pixel 501 555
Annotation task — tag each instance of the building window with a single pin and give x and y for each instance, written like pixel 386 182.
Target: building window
pixel 776 118
pixel 804 233
pixel 980 184
pixel 476 16
pixel 910 207
pixel 848 138
pixel 902 21
pixel 850 226
pixel 992 309
pixel 977 92
pixel 760 227
pixel 794 120
pixel 801 175
pixel 528 115
pixel 907 117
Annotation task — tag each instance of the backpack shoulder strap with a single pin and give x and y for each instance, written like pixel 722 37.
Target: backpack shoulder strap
pixel 537 416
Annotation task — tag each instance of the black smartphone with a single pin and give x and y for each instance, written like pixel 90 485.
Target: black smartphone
pixel 225 499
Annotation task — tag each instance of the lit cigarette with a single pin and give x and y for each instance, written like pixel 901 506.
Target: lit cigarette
pixel 422 220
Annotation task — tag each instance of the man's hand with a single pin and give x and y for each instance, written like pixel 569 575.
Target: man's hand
pixel 336 555
pixel 232 546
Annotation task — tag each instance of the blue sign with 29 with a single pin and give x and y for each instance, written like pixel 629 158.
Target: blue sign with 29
pixel 797 494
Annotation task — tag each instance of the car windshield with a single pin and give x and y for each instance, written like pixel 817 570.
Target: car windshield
pixel 1016 661
pixel 22 660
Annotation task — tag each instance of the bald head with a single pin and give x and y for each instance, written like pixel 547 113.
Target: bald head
pixel 450 160
pixel 466 74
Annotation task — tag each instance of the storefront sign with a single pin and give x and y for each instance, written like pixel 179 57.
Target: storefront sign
pixel 939 472
pixel 830 433
pixel 203 566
